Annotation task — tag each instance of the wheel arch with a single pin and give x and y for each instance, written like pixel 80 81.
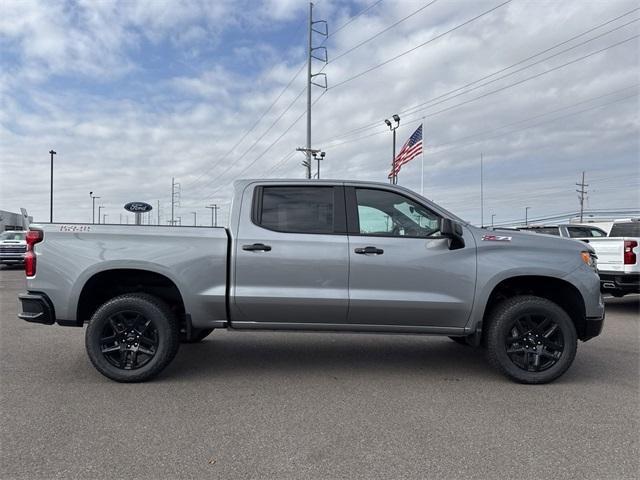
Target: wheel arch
pixel 557 290
pixel 109 283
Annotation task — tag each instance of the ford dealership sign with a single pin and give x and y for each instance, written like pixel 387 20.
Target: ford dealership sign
pixel 138 207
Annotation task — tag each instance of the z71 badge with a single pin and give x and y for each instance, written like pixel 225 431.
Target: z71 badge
pixel 496 238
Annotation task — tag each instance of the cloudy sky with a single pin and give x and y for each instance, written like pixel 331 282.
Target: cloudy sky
pixel 133 93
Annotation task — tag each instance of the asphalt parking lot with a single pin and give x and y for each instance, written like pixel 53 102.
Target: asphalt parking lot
pixel 296 405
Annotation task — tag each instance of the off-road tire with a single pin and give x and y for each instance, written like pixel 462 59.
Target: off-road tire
pixel 162 319
pixel 501 322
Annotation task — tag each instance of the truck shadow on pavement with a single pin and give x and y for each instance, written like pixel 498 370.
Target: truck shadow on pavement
pixel 247 354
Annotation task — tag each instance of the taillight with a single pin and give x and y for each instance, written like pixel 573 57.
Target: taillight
pixel 33 237
pixel 629 255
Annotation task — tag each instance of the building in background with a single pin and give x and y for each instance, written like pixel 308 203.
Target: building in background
pixel 14 221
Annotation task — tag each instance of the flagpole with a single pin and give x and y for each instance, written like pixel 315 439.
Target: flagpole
pixel 422 159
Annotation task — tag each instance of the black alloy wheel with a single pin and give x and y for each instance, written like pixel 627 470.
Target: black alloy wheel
pixel 535 343
pixel 129 340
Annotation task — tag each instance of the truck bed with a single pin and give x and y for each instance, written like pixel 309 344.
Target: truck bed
pixel 193 258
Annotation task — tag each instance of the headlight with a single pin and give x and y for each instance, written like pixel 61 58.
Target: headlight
pixel 590 259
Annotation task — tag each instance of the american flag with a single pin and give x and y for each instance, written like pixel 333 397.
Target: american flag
pixel 409 151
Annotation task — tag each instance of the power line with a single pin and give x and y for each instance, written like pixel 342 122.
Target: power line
pixel 271 145
pixel 355 17
pixel 406 52
pixel 416 107
pixel 230 165
pixel 282 92
pixel 364 42
pixel 459 141
pixel 447 94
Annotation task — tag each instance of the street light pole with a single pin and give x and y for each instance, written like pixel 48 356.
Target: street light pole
pixel 52 152
pixel 99 212
pixel 393 127
pixel 93 208
pixel 195 223
pixel 492 217
pixel 526 216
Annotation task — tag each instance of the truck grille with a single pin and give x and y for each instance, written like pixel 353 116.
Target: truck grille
pixel 13 249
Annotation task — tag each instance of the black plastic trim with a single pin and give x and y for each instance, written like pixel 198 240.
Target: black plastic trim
pixel 36 308
pixel 593 327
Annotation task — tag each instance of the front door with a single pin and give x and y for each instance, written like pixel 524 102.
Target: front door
pixel 401 273
pixel 292 260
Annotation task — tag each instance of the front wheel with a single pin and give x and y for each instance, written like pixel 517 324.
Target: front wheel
pixel 132 337
pixel 531 339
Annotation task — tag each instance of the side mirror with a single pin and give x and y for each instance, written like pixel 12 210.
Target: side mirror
pixel 453 231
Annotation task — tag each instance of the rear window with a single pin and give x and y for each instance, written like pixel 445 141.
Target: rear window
pixel 297 209
pixel 12 236
pixel 627 229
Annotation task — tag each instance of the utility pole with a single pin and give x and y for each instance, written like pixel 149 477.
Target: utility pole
pixel 526 216
pixel 93 206
pixel 310 76
pixel 214 214
pixel 481 193
pixel 52 152
pixel 175 198
pixel 582 193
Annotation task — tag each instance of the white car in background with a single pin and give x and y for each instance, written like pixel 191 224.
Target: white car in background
pixel 13 246
pixel 618 254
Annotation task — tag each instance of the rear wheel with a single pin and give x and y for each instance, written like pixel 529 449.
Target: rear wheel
pixel 132 337
pixel 531 339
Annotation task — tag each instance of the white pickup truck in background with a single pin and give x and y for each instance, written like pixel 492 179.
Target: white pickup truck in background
pixel 618 254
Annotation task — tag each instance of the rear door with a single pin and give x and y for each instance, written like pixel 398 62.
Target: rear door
pixel 401 273
pixel 291 257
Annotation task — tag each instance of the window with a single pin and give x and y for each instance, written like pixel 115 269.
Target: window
pixel 297 209
pixel 583 232
pixel 389 214
pixel 12 236
pixel 544 230
pixel 626 229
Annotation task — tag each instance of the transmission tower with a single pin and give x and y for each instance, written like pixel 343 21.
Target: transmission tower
pixel 318 53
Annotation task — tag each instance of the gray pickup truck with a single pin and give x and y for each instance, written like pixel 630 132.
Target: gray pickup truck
pixel 338 256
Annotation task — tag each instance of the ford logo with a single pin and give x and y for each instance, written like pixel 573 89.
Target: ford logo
pixel 138 207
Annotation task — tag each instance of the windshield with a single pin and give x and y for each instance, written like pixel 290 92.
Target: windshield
pixel 11 236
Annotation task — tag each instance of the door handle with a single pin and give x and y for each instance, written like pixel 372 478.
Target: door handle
pixel 257 247
pixel 369 251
